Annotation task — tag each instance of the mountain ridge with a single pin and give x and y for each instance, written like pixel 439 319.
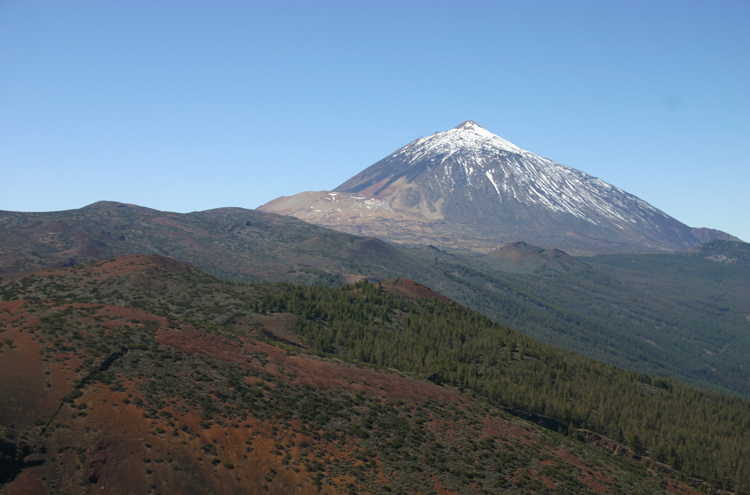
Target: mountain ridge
pixel 569 302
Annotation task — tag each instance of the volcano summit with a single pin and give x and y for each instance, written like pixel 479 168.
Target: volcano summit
pixel 468 189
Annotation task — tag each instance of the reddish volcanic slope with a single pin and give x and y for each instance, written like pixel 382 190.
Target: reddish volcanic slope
pixel 103 398
pixel 412 290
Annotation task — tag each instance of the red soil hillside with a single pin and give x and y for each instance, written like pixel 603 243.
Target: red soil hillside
pixel 111 439
pixel 412 290
pixel 142 264
pixel 199 395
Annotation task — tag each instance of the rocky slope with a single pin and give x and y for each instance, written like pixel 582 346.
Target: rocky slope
pixel 140 374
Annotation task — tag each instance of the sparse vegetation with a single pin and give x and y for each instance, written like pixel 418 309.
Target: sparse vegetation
pixel 411 442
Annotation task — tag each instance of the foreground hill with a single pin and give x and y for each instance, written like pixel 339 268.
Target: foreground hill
pixel 467 189
pixel 687 322
pixel 142 374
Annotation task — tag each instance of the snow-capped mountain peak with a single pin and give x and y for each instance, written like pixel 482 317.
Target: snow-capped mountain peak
pixel 467 137
pixel 480 133
pixel 468 174
pixel 467 179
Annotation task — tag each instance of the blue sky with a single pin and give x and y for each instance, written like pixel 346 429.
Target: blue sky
pixel 192 105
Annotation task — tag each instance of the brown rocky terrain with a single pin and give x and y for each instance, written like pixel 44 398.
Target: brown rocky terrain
pixel 114 398
pixel 412 290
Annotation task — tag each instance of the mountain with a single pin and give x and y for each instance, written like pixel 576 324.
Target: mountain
pixel 141 374
pixel 468 189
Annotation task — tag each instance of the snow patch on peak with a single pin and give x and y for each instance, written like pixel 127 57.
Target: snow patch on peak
pixel 481 133
pixel 469 125
pixel 469 137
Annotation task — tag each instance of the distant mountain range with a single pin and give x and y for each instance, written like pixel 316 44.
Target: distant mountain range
pixel 468 189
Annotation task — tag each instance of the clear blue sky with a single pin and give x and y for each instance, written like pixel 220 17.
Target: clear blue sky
pixel 191 105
